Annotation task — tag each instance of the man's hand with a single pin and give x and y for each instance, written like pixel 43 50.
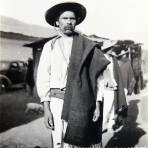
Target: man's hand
pixel 96 112
pixel 48 117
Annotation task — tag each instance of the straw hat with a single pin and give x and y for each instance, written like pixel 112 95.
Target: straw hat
pixel 108 44
pixel 123 52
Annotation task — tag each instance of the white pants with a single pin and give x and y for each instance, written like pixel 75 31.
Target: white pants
pixel 108 109
pixel 60 126
pixel 56 106
pixel 108 116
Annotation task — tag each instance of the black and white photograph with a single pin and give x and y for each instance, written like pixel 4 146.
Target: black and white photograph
pixel 73 74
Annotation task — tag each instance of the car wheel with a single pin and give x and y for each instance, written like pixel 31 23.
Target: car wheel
pixel 3 86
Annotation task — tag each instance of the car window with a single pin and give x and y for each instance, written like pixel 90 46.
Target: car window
pixel 21 64
pixel 13 65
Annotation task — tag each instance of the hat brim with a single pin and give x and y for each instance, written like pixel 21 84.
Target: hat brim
pixel 108 45
pixel 122 54
pixel 53 13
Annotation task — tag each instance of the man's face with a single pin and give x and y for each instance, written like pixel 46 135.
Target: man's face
pixel 67 22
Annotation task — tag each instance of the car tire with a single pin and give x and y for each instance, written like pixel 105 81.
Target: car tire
pixel 3 86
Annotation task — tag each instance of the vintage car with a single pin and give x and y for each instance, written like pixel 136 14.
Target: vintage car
pixel 12 73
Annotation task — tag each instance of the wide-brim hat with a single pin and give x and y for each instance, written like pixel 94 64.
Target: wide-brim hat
pixel 53 13
pixel 108 44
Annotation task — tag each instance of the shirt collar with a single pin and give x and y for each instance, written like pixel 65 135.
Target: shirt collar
pixel 60 34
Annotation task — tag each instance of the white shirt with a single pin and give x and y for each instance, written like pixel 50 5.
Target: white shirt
pixel 52 69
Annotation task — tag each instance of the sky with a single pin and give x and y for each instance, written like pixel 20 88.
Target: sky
pixel 114 19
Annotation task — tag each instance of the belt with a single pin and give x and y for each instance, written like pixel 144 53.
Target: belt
pixel 57 92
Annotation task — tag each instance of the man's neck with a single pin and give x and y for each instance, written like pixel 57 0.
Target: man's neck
pixel 65 35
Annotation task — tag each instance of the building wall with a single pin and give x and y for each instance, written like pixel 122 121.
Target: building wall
pixel 11 49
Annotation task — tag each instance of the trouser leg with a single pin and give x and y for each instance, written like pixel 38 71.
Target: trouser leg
pixel 56 106
pixel 108 116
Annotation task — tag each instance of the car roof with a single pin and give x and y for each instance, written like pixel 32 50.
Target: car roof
pixel 8 61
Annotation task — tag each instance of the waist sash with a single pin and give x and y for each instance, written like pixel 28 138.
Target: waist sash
pixel 57 92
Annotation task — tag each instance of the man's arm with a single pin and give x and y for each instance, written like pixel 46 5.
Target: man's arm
pixel 97 111
pixel 48 117
pixel 100 85
pixel 43 84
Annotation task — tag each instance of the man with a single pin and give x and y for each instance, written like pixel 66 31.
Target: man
pixel 29 77
pixel 126 72
pixel 137 69
pixel 111 91
pixel 67 80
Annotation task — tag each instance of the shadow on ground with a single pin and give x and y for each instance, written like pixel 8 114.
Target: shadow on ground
pixel 12 109
pixel 130 134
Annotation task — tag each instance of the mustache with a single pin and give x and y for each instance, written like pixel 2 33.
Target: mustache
pixel 69 27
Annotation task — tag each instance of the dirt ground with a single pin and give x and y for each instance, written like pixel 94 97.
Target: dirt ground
pixel 21 130
pixel 17 128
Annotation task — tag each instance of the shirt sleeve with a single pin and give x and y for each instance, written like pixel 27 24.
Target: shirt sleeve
pixel 43 73
pixel 110 76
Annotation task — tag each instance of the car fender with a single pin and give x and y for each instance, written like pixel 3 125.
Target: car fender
pixel 5 78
